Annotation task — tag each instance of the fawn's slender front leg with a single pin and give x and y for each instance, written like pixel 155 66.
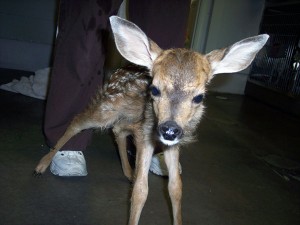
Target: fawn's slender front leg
pixel 175 184
pixel 140 188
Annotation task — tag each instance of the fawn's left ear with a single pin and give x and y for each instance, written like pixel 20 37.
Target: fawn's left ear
pixel 237 56
pixel 132 43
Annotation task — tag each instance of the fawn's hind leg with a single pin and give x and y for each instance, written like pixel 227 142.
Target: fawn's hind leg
pixel 121 139
pixel 92 117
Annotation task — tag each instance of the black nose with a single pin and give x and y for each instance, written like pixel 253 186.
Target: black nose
pixel 170 130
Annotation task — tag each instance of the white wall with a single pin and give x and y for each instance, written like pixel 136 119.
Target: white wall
pixel 231 21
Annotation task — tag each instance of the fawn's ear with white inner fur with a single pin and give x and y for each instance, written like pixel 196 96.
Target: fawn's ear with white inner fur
pixel 237 56
pixel 132 42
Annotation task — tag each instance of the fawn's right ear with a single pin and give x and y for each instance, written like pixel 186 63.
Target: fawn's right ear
pixel 132 42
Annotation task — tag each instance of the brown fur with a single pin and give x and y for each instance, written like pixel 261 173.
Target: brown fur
pixel 125 105
pixel 180 74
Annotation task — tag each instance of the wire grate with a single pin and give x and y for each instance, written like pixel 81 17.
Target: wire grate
pixel 277 66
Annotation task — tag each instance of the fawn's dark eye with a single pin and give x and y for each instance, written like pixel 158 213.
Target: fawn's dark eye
pixel 198 98
pixel 154 91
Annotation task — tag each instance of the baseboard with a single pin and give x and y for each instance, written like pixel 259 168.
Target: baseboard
pixel 274 98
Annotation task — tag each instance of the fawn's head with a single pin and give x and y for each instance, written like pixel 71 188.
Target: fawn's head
pixel 180 75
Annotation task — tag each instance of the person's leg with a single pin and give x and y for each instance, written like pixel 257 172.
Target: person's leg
pixel 78 65
pixel 77 73
pixel 165 22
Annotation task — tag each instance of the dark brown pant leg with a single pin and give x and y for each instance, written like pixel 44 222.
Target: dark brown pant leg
pixel 78 65
pixel 164 21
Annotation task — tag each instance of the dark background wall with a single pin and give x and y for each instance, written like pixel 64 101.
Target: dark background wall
pixel 27 32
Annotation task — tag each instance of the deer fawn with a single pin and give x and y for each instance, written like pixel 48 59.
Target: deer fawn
pixel 168 113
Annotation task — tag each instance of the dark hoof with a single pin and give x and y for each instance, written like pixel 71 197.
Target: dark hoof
pixel 37 174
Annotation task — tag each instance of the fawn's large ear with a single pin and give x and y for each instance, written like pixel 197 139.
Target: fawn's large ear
pixel 132 42
pixel 237 56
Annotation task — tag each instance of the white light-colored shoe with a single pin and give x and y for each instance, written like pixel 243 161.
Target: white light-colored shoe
pixel 68 164
pixel 158 165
